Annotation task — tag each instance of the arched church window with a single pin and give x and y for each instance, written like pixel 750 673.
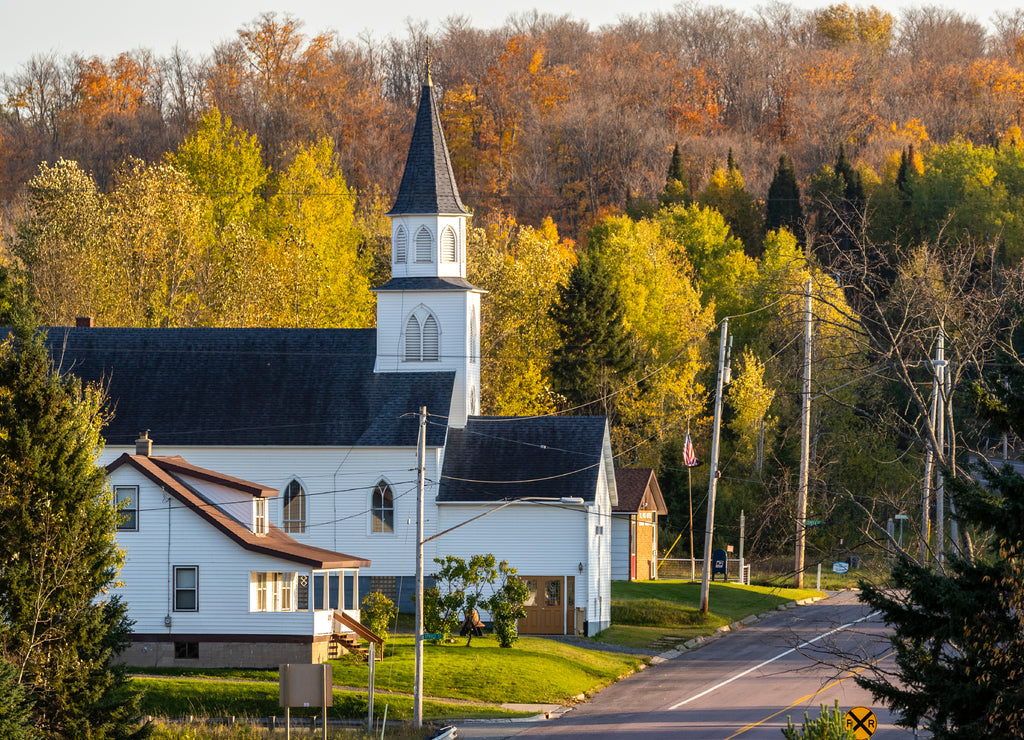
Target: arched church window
pixel 422 337
pixel 424 245
pixel 449 245
pixel 401 246
pixel 382 509
pixel 293 517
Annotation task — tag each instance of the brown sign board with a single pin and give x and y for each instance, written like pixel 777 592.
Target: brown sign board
pixel 305 685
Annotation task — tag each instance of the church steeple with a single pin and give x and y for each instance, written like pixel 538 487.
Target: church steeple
pixel 428 314
pixel 428 183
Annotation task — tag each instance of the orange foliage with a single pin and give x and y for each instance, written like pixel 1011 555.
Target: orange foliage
pixel 108 89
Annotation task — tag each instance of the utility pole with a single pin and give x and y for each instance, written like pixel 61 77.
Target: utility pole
pixel 421 464
pixel 929 465
pixel 940 437
pixel 805 447
pixel 713 482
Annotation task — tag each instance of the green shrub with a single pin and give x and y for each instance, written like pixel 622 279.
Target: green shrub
pixel 655 613
pixel 377 613
pixel 507 605
pixel 830 725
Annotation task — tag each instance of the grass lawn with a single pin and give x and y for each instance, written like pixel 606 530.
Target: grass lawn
pixel 182 697
pixel 535 671
pixel 646 612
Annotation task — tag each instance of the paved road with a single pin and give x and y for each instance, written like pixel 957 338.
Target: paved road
pixel 743 685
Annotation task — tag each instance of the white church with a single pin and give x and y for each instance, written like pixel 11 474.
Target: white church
pixel 269 476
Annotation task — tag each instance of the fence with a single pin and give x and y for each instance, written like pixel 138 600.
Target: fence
pixel 736 570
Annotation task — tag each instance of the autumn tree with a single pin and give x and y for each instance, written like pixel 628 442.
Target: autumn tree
pixel 325 280
pixel 522 269
pixel 224 163
pixel 58 241
pixel 58 624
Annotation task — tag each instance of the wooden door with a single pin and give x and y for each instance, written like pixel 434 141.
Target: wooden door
pixel 545 606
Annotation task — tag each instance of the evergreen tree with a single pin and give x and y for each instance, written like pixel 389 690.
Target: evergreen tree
pixel 677 188
pixel 58 554
pixel 594 350
pixel 782 207
pixel 15 707
pixel 958 635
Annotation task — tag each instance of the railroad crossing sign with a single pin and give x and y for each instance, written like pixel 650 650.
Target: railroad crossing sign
pixel 862 721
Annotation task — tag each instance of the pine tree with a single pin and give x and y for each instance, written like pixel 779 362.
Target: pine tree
pixel 782 206
pixel 677 189
pixel 594 350
pixel 958 634
pixel 58 554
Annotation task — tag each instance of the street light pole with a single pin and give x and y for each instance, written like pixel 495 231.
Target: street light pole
pixel 805 447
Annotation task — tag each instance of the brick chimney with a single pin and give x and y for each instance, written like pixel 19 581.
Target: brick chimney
pixel 85 322
pixel 144 445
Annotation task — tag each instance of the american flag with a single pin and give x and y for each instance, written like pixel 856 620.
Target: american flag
pixel 689 456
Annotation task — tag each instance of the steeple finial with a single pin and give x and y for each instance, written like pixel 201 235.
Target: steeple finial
pixel 430 82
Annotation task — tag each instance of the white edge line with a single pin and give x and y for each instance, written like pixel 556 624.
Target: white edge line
pixel 738 676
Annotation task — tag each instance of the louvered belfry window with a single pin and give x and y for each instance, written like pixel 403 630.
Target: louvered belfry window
pixel 422 338
pixel 424 245
pixel 413 340
pixel 431 339
pixel 401 246
pixel 449 245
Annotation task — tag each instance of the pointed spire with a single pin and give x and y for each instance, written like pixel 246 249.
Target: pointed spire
pixel 428 183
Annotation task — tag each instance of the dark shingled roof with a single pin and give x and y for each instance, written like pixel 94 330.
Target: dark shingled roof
pixel 455 284
pixel 491 458
pixel 281 387
pixel 428 183
pixel 164 471
pixel 634 485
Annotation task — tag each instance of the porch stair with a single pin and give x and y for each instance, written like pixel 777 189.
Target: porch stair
pixel 351 640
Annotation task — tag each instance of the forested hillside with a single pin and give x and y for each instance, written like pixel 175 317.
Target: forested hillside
pixel 631 186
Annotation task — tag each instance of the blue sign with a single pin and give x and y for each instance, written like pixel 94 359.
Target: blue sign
pixel 838 567
pixel 718 564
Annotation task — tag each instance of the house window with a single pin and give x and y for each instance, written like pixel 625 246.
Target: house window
pixel 424 245
pixel 186 650
pixel 383 509
pixel 449 245
pixel 293 517
pixel 401 246
pixel 126 499
pixel 422 338
pixel 260 515
pixel 272 592
pixel 186 588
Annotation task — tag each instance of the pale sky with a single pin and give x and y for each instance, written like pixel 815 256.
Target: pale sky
pixel 109 27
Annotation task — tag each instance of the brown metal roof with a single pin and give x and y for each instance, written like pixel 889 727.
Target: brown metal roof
pixel 164 472
pixel 638 491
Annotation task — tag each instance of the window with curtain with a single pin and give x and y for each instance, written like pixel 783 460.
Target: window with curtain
pixel 383 509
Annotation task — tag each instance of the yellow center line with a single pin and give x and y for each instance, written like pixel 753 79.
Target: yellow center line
pixel 808 698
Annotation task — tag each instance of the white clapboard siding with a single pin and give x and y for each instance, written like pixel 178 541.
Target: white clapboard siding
pixel 169 534
pixel 339 485
pixel 620 547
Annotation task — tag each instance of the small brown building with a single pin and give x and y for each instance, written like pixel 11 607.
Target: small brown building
pixel 635 525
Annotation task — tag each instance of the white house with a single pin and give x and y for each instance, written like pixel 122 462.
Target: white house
pixel 327 418
pixel 232 588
